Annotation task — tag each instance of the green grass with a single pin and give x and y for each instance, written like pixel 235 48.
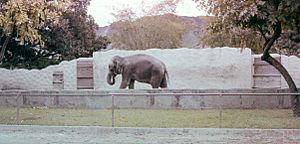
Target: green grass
pixel 231 118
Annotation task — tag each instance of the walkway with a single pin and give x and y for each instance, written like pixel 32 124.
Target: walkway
pixel 104 135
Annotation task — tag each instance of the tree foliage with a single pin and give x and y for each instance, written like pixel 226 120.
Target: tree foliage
pixel 148 32
pixel 163 7
pixel 235 37
pixel 275 20
pixel 260 16
pixel 22 19
pixel 26 16
pixel 76 35
pixel 65 34
pixel 127 13
pixel 153 27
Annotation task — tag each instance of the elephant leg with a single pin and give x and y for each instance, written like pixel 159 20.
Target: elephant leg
pixel 125 80
pixel 131 84
pixel 124 83
pixel 155 81
pixel 163 83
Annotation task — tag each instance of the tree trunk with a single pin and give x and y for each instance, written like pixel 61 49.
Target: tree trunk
pixel 292 86
pixel 295 102
pixel 4 47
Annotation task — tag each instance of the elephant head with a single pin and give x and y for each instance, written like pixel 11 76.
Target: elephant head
pixel 115 68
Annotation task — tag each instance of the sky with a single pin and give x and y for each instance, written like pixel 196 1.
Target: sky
pixel 101 9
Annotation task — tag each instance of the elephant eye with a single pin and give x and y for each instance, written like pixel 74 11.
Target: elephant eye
pixel 111 67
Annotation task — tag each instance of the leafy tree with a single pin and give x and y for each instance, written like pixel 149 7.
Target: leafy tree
pixel 157 28
pixel 76 35
pixel 270 18
pixel 160 8
pixel 70 36
pixel 124 14
pixel 163 7
pixel 148 32
pixel 235 37
pixel 24 18
pixel 288 44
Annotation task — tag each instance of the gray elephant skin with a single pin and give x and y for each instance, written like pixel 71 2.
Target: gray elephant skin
pixel 140 67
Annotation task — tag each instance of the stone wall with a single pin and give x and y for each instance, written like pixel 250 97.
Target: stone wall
pixel 183 99
pixel 292 64
pixel 23 79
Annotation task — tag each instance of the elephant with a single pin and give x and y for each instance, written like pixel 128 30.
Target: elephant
pixel 139 67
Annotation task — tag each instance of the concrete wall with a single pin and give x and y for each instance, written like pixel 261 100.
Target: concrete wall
pixel 157 99
pixel 210 68
pixel 292 64
pixel 217 68
pixel 39 79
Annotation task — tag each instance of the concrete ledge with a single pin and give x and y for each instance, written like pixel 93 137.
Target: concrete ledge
pixel 154 99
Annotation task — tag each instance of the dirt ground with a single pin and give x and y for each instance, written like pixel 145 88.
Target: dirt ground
pixel 105 135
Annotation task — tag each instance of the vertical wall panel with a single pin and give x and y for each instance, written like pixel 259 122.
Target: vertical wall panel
pixel 85 78
pixel 265 75
pixel 58 80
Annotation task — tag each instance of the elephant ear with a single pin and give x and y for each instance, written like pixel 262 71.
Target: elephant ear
pixel 121 66
pixel 119 63
pixel 115 60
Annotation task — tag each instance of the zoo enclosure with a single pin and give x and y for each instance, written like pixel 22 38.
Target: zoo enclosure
pixel 147 100
pixel 217 68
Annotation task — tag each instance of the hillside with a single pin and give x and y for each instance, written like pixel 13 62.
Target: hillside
pixel 189 37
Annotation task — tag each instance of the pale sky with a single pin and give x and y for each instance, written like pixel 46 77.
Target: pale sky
pixel 101 9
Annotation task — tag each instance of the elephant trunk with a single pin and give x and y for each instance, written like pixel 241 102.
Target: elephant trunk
pixel 111 78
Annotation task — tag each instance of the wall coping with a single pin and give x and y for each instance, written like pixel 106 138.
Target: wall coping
pixel 150 91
